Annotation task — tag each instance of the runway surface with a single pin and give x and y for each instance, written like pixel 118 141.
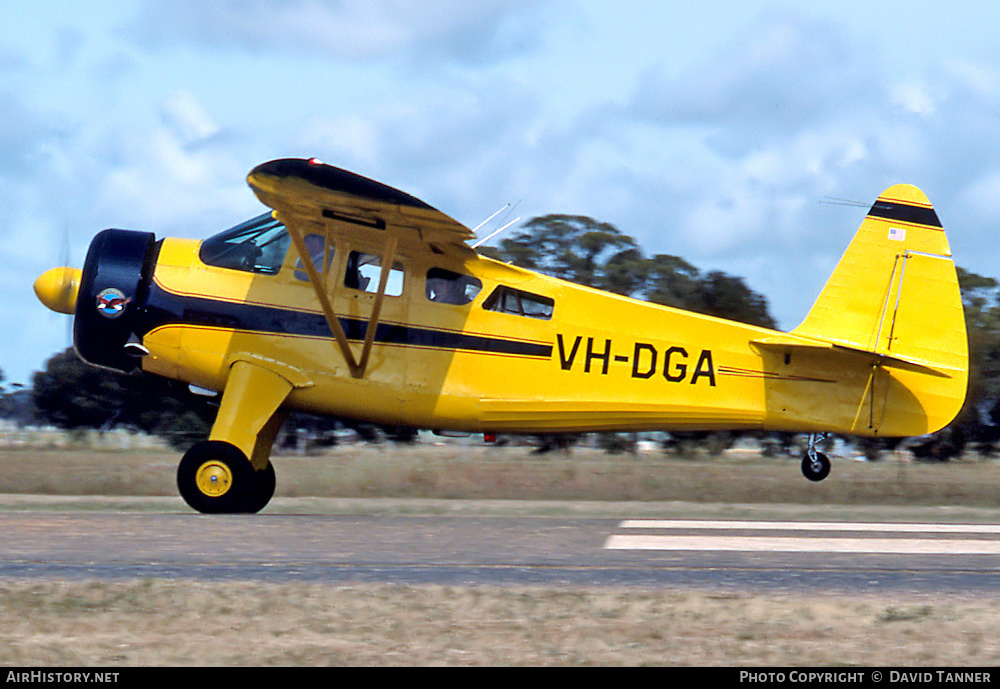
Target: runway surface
pixel 503 550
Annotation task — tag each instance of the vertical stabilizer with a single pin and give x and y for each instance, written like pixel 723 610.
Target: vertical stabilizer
pixel 895 294
pixel 895 291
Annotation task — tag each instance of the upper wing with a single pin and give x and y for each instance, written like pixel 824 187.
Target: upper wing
pixel 311 195
pixel 312 198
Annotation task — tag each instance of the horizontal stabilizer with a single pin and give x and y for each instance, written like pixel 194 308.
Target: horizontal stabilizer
pixel 789 343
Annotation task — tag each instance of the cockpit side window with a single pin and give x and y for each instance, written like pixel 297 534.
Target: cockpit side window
pixel 258 245
pixel 509 300
pixel 446 287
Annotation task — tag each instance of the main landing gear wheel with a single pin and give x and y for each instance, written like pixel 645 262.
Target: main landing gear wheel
pixel 815 466
pixel 215 477
pixel 265 480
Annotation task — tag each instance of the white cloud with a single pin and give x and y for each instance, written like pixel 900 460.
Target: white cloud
pixel 159 183
pixel 188 119
pixel 914 97
pixel 718 146
pixel 352 30
pixel 780 73
pixel 23 133
pixel 981 197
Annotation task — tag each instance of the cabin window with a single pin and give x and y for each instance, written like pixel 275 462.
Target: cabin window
pixel 258 245
pixel 365 270
pixel 509 300
pixel 446 287
pixel 316 245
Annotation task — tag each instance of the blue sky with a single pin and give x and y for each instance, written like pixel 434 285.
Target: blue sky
pixel 710 130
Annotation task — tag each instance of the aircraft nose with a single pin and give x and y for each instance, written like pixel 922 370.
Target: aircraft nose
pixel 57 288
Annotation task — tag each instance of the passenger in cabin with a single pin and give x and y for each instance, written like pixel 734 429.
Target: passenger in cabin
pixel 444 291
pixel 354 279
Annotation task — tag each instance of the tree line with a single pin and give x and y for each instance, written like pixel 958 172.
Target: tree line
pixel 70 394
pixel 597 254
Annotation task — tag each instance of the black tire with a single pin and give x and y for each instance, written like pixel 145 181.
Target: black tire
pixel 215 477
pixel 266 481
pixel 818 470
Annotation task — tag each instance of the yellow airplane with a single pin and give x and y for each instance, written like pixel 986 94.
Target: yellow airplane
pixel 354 299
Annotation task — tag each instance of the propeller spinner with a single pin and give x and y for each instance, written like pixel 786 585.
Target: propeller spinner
pixel 57 288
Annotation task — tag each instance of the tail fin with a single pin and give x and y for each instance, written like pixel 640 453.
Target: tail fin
pixel 895 295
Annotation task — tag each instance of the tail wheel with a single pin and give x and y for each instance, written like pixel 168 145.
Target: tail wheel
pixel 815 466
pixel 215 477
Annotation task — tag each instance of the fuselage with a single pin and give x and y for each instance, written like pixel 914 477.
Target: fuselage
pixel 563 358
pixel 463 342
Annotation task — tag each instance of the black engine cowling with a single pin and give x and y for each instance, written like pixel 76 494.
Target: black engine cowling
pixel 113 292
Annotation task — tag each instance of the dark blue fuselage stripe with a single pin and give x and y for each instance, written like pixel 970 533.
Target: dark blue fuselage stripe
pixel 164 308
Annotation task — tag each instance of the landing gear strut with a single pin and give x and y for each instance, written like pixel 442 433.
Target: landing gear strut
pixel 231 471
pixel 815 464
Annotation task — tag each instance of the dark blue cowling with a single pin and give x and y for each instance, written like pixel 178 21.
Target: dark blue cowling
pixel 113 292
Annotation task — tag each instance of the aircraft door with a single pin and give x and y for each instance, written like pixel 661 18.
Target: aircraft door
pixel 375 303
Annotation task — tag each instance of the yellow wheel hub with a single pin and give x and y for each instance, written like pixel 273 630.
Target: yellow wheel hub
pixel 213 478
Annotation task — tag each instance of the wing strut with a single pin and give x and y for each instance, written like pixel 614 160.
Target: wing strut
pixel 308 195
pixel 387 255
pixel 357 366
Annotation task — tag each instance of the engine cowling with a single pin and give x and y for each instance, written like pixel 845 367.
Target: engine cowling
pixel 113 291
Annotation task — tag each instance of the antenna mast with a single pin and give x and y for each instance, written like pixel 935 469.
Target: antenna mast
pixel 493 234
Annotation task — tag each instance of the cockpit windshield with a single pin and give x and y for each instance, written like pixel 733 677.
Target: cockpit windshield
pixel 258 245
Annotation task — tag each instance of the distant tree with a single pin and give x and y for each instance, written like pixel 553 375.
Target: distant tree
pixel 4 401
pixel 978 423
pixel 597 254
pixel 626 272
pixel 672 281
pixel 555 442
pixel 70 393
pixel 872 448
pixel 571 247
pixel 728 297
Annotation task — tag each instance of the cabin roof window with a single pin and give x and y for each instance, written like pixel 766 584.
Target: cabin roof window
pixel 446 287
pixel 509 300
pixel 258 245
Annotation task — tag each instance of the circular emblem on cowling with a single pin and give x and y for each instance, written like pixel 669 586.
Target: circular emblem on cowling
pixel 111 302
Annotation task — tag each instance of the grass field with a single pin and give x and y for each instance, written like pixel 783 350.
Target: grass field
pixel 470 472
pixel 114 624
